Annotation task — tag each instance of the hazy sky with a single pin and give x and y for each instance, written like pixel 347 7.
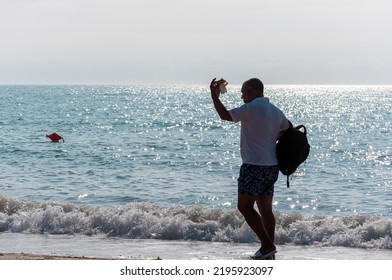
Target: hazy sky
pixel 181 41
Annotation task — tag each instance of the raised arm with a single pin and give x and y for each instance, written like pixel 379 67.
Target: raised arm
pixel 219 107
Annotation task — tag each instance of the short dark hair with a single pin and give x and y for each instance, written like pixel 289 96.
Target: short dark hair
pixel 255 84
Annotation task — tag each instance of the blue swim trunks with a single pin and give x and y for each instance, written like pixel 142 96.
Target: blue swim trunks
pixel 255 180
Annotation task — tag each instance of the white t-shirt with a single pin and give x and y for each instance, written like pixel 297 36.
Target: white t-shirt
pixel 261 122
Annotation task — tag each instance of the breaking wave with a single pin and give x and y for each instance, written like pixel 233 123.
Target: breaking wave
pixel 146 221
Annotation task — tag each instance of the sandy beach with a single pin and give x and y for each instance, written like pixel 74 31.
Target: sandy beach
pixel 65 247
pixel 38 247
pixel 25 256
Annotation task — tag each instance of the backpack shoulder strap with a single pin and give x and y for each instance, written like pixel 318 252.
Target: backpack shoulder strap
pixel 298 127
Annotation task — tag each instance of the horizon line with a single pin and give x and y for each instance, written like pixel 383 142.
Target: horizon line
pixel 184 84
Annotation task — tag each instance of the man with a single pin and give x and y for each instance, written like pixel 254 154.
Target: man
pixel 261 125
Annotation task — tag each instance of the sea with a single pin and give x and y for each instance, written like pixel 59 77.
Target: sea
pixel 148 171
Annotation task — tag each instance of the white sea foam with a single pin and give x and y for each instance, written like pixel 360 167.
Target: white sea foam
pixel 145 221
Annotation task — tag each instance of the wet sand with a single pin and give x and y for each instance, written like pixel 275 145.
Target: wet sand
pixel 24 256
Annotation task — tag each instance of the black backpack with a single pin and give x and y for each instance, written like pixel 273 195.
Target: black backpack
pixel 292 149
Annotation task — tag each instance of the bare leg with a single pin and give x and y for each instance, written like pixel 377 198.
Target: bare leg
pixel 255 221
pixel 264 204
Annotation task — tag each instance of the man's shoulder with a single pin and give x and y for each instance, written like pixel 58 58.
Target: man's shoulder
pixel 262 99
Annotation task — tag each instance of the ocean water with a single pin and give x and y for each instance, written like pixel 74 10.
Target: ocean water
pixel 156 163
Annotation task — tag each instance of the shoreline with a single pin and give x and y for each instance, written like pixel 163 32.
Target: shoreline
pixel 30 256
pixel 14 246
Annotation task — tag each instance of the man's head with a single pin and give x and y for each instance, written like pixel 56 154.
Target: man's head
pixel 252 89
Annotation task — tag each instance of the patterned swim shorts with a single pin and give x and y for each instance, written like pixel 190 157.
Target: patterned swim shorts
pixel 257 180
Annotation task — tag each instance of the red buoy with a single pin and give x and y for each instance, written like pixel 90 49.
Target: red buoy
pixel 55 137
